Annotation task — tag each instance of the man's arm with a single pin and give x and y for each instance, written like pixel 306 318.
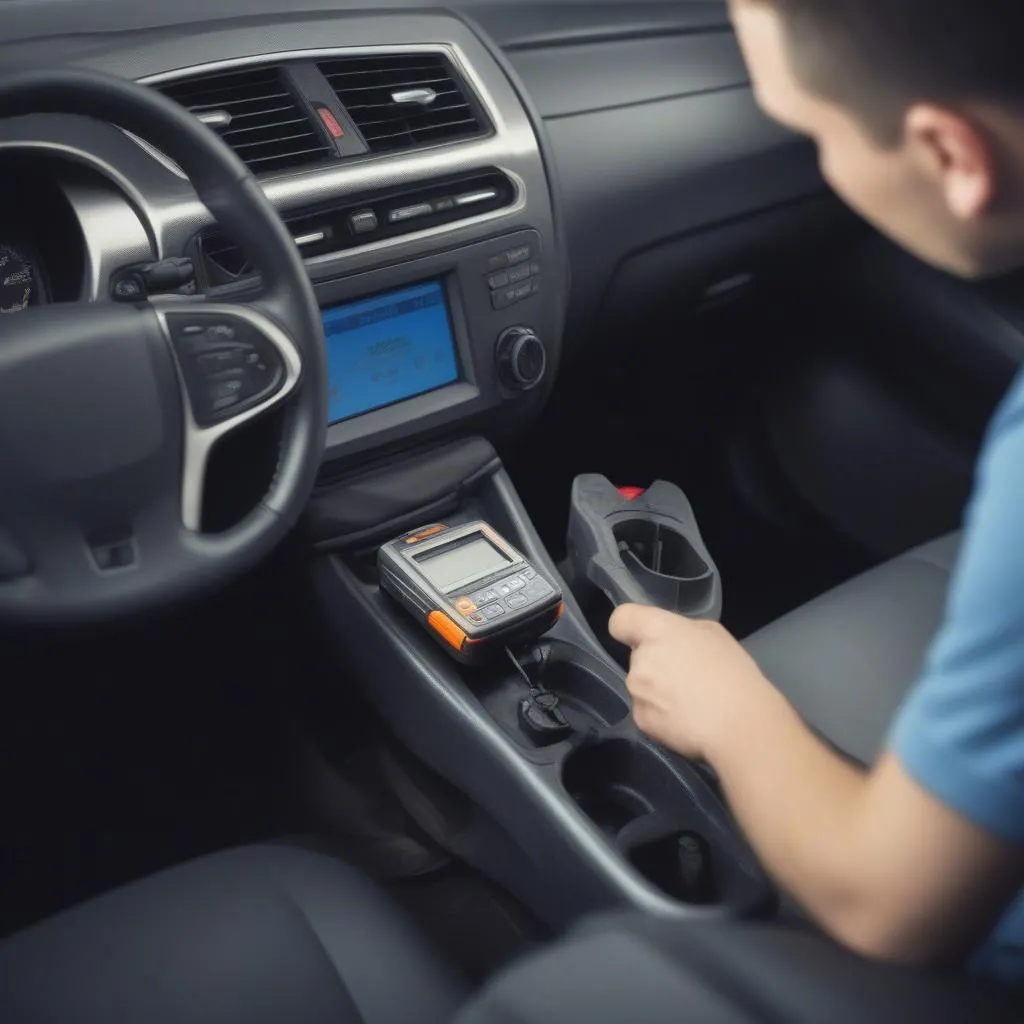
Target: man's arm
pixel 879 863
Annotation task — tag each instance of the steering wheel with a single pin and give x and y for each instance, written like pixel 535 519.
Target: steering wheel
pixel 109 412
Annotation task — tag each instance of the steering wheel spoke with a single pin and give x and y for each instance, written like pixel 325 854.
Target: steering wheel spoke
pixel 109 413
pixel 234 363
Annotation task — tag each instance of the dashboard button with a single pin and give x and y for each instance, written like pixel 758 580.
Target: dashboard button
pixel 500 280
pixel 404 213
pixel 362 222
pixel 503 298
pixel 522 291
pixel 497 261
pixel 444 205
pixel 521 254
pixel 520 273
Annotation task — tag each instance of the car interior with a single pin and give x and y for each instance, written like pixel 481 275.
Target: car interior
pixel 356 360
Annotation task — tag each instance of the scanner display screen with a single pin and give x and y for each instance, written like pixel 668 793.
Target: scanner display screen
pixel 387 349
pixel 448 567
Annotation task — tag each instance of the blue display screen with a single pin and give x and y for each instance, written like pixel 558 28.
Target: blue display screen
pixel 388 348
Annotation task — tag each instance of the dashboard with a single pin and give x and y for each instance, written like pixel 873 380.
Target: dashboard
pixel 470 188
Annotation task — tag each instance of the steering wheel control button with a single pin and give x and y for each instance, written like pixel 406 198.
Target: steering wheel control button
pixel 228 366
pixel 212 363
pixel 521 358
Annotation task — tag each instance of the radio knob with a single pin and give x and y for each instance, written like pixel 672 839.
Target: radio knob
pixel 522 359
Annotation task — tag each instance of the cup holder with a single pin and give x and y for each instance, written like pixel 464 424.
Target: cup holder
pixel 618 781
pixel 664 562
pixel 640 804
pixel 660 549
pixel 584 686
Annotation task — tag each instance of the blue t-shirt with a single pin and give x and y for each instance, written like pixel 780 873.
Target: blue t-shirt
pixel 960 733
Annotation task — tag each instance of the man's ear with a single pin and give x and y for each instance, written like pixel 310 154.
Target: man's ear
pixel 955 155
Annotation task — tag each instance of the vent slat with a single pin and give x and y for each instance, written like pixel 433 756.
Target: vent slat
pixel 268 129
pixel 365 86
pixel 235 137
pixel 451 97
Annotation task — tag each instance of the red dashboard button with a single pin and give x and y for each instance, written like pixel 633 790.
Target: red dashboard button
pixel 331 123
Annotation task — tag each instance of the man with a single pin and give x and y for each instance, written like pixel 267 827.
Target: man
pixel 917 108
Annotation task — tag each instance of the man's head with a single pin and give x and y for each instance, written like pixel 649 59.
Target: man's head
pixel 917 108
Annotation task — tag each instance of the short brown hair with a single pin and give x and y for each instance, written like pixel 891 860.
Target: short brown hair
pixel 878 56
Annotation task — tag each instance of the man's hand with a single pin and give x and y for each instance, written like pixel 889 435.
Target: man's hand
pixel 691 682
pixel 880 863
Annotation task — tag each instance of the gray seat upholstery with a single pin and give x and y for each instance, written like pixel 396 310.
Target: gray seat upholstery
pixel 847 659
pixel 261 935
pixel 662 971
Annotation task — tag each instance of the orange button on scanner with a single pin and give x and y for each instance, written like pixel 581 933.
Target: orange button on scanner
pixel 465 606
pixel 430 531
pixel 447 630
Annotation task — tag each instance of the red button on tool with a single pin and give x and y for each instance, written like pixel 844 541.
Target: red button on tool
pixel 632 493
pixel 330 123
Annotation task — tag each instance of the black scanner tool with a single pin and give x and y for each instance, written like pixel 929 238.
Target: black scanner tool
pixel 471 589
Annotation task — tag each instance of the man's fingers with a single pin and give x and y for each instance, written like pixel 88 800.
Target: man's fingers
pixel 632 624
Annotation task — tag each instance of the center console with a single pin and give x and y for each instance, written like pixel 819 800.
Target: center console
pixel 593 816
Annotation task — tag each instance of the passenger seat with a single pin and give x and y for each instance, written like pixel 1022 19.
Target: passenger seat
pixel 847 659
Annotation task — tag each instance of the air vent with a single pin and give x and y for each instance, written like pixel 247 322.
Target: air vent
pixel 256 115
pixel 404 102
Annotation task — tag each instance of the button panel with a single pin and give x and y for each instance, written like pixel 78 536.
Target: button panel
pixel 228 365
pixel 513 275
pixel 508 595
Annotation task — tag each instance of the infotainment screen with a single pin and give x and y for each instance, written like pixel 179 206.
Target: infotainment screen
pixel 388 348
